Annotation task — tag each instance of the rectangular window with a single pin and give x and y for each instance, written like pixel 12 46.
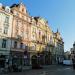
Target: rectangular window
pixel 7 19
pixel 34 30
pixel 5 30
pixel 15 44
pixel 33 47
pixel 6 25
pixel 4 43
pixel 43 38
pixel 26 48
pixel 33 37
pixel 21 45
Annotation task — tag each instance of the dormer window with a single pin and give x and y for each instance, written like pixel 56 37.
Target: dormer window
pixel 7 9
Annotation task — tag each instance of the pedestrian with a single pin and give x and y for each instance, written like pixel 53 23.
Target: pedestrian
pixel 73 60
pixel 14 67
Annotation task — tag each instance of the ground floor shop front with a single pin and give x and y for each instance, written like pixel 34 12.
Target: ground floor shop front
pixel 21 59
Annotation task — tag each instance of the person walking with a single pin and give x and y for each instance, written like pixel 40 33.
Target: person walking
pixel 73 60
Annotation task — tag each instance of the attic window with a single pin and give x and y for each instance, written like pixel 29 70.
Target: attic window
pixel 7 9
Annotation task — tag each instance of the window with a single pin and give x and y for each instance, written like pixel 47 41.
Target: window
pixel 4 43
pixel 51 38
pixel 33 37
pixel 15 44
pixel 5 30
pixel 7 19
pixel 33 47
pixel 6 25
pixel 48 37
pixel 34 30
pixel 43 38
pixel 26 47
pixel 21 45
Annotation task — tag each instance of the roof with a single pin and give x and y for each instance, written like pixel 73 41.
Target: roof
pixel 14 5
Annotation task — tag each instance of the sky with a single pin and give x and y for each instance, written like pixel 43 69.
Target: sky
pixel 59 13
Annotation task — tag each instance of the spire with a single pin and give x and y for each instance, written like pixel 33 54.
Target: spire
pixel 58 31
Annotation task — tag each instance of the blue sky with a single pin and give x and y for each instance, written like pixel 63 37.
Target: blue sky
pixel 59 13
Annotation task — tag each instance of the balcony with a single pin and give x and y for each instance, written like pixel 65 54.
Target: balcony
pixel 20 49
pixel 50 43
pixel 19 37
pixel 17 49
pixel 39 42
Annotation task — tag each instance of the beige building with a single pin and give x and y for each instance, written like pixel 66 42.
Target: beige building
pixel 21 33
pixel 23 36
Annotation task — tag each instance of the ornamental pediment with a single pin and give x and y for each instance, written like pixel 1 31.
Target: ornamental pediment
pixel 19 8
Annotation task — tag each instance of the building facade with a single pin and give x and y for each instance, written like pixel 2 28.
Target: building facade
pixel 5 33
pixel 23 36
pixel 59 47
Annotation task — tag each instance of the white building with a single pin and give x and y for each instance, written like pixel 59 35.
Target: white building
pixel 5 32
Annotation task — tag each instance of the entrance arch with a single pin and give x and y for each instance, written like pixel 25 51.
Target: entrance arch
pixel 34 61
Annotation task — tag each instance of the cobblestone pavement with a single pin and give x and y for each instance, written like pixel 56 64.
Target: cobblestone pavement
pixel 48 70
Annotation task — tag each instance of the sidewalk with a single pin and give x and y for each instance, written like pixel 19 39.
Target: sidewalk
pixel 5 71
pixel 26 68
